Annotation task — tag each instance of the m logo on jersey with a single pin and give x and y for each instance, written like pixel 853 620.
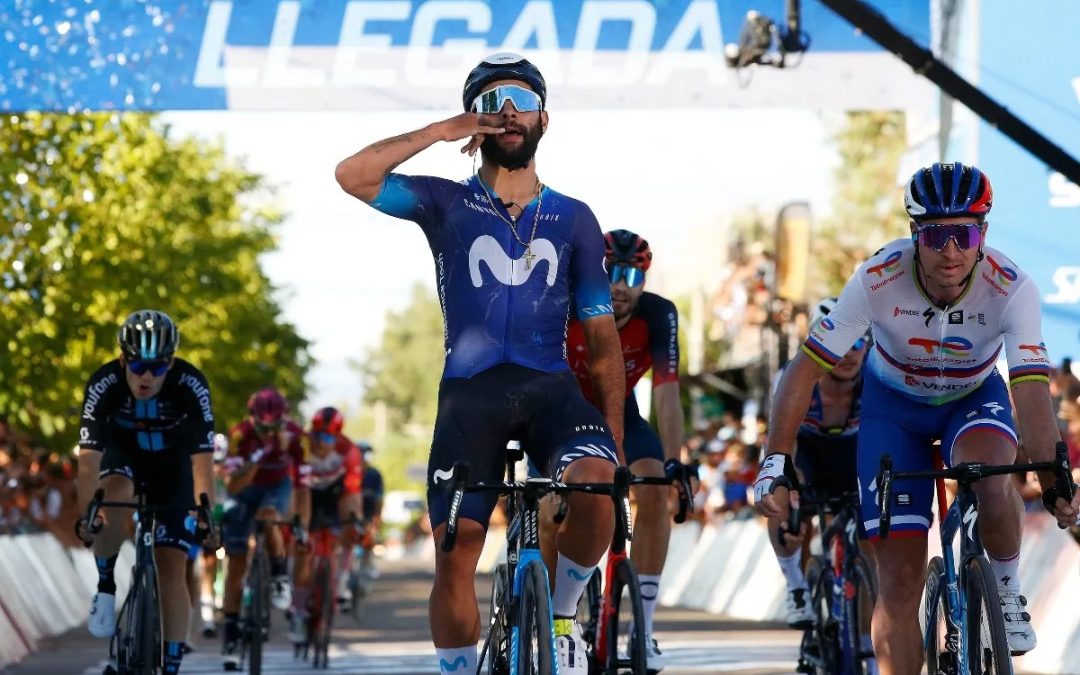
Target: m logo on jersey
pixel 508 271
pixel 950 346
pixel 888 266
pixel 1005 275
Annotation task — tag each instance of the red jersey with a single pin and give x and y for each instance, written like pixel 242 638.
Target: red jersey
pixel 650 339
pixel 343 462
pixel 280 454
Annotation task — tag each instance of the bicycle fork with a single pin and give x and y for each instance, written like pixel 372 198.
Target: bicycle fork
pixel 525 558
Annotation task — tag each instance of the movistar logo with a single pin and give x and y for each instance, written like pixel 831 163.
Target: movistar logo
pixel 459 662
pixel 442 474
pixel 507 271
pixel 574 574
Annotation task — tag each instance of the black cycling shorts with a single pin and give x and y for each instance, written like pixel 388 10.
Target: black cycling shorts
pixel 477 416
pixel 165 479
pixel 829 464
pixel 325 511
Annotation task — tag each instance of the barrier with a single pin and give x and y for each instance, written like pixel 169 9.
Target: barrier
pixel 729 569
pixel 45 590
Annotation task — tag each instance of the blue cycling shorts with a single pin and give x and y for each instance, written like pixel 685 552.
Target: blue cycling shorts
pixel 894 424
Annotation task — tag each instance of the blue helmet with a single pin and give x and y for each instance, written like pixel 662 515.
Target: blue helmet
pixel 503 66
pixel 948 190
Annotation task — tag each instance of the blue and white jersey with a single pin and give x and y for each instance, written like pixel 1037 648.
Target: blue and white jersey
pixel 500 306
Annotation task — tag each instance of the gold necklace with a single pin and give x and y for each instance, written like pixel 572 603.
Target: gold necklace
pixel 539 189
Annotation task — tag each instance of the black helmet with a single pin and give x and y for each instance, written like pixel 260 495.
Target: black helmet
pixel 148 334
pixel 503 66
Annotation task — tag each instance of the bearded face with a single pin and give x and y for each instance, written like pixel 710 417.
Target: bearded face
pixel 515 148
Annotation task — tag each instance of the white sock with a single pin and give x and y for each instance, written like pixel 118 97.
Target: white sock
pixel 570 581
pixel 650 593
pixel 791 566
pixel 459 660
pixel 1007 571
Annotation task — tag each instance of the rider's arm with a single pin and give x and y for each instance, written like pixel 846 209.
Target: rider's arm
pixel 592 297
pixel 363 174
pixel 202 456
pixel 299 449
pixel 96 402
pixel 87 481
pixel 663 320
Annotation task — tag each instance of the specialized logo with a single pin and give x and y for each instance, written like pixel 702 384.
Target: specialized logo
pixel 994 407
pixel 969 519
pixel 1005 275
pixel 1067 282
pixel 887 266
pixel 508 271
pixel 950 346
pixel 928 314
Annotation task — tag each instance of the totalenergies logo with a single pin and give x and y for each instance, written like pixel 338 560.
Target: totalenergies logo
pixel 950 346
pixel 1037 350
pixel 1005 275
pixel 888 266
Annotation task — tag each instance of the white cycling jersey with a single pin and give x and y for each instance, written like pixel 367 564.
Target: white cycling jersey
pixel 930 354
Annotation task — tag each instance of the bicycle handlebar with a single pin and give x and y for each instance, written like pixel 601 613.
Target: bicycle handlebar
pixel 94 522
pixel 968 473
pixel 459 484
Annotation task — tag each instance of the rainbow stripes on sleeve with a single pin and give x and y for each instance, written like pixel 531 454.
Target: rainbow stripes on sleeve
pixel 820 355
pixel 1034 372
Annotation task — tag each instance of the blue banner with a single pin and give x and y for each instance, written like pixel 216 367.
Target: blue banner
pixel 218 54
pixel 1036 216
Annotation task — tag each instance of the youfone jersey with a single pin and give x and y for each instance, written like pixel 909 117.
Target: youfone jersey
pixel 499 304
pixel 280 454
pixel 175 424
pixel 929 354
pixel 650 339
pixel 343 463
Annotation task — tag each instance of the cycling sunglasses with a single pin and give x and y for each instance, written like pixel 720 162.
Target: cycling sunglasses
pixel 936 237
pixel 157 368
pixel 633 276
pixel 859 344
pixel 324 437
pixel 492 100
pixel 271 425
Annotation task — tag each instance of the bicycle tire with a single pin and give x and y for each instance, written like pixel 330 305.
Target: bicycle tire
pixel 141 643
pixel 324 619
pixel 498 645
pixel 534 623
pixel 984 611
pixel 257 612
pixel 940 654
pixel 625 579
pixel 589 608
pixel 864 583
pixel 822 636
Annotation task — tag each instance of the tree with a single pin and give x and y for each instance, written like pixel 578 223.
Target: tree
pixel 868 209
pixel 104 214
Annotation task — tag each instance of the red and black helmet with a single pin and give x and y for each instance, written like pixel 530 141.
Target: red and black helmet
pixel 267 406
pixel 327 421
pixel 628 248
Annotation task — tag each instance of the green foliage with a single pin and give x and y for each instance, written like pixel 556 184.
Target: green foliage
pixel 868 209
pixel 104 214
pixel 403 373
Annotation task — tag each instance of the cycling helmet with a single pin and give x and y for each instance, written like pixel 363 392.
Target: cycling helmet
pixel 148 334
pixel 327 420
pixel 503 66
pixel 947 190
pixel 623 246
pixel 267 406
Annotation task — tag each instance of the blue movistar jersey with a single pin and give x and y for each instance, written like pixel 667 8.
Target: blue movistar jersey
pixel 499 304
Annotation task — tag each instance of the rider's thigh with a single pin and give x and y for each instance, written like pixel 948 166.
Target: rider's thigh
pixel 980 426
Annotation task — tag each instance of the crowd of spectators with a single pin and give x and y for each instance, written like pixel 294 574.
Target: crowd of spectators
pixel 37 488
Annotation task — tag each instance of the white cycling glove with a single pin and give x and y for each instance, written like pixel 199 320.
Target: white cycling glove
pixel 777 465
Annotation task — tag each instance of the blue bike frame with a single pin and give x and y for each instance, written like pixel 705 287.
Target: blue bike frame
pixel 525 557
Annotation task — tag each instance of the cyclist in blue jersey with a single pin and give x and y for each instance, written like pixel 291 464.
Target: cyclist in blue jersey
pixel 514 260
pixel 943 306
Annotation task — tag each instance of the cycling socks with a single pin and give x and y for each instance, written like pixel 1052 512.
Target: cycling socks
pixel 650 593
pixel 460 660
pixel 174 652
pixel 279 567
pixel 1007 571
pixel 570 581
pixel 791 566
pixel 106 581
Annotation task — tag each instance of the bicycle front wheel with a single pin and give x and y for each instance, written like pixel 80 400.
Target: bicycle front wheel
pixel 859 609
pixel 535 651
pixel 323 615
pixel 627 618
pixel 821 644
pixel 258 611
pixel 987 647
pixel 498 641
pixel 141 645
pixel 940 637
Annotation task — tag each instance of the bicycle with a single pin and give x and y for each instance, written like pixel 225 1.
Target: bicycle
pixel 961 594
pixel 601 603
pixel 842 586
pixel 136 646
pixel 323 541
pixel 255 608
pixel 524 644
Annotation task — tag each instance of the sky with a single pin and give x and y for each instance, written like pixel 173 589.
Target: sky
pixel 673 176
